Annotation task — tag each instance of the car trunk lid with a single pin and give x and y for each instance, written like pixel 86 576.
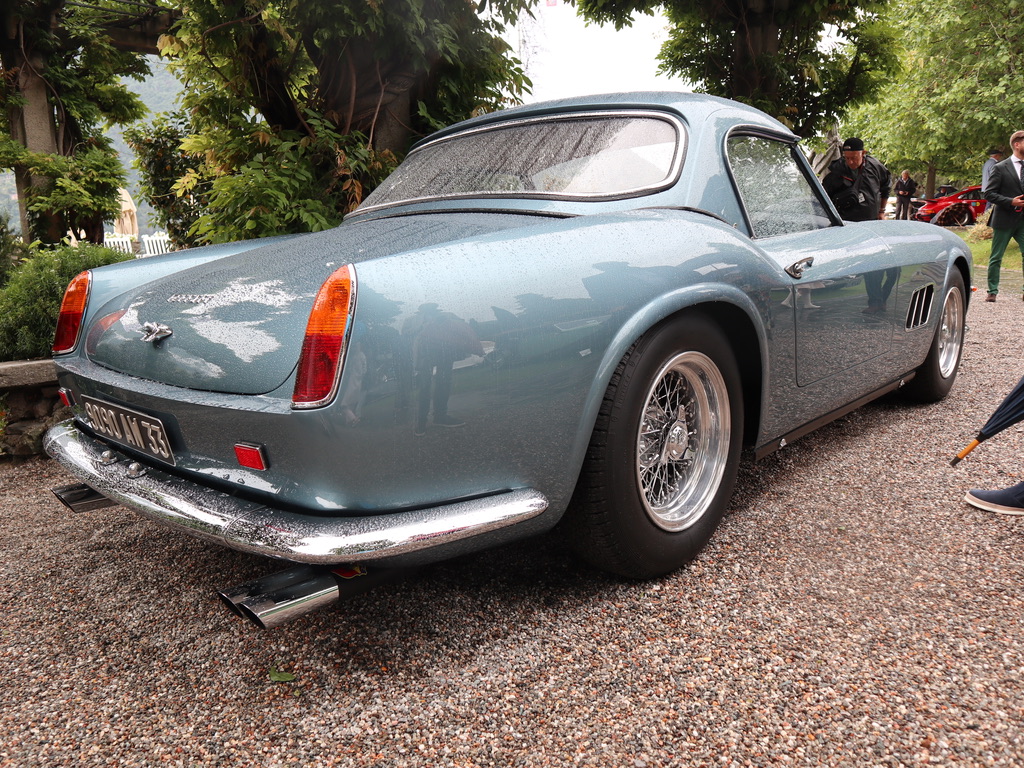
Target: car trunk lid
pixel 236 324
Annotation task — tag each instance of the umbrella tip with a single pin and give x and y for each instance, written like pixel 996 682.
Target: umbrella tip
pixel 956 460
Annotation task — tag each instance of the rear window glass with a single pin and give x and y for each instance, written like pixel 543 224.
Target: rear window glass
pixel 571 157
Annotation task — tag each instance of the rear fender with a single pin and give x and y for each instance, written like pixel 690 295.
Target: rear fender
pixel 725 304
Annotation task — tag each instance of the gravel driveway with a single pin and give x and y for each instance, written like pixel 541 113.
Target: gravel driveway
pixel 851 611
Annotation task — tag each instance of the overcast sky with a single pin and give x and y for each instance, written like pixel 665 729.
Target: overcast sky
pixel 565 57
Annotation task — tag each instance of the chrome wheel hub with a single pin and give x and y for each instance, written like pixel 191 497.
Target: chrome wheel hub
pixel 683 441
pixel 951 331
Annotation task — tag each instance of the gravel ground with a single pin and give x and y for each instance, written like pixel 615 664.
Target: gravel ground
pixel 851 611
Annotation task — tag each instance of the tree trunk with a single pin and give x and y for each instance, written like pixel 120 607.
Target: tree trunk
pixel 361 92
pixel 32 123
pixel 756 40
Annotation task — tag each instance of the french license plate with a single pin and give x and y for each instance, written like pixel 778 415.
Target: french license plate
pixel 136 430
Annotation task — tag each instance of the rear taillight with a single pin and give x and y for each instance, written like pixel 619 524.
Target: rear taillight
pixel 323 348
pixel 72 310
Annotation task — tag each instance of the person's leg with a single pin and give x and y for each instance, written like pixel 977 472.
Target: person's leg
pixel 1000 237
pixel 424 385
pixel 442 391
pixel 1018 235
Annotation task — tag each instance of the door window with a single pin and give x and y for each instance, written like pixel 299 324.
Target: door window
pixel 778 197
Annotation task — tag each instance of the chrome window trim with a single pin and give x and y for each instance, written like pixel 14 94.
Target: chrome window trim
pixel 793 142
pixel 670 178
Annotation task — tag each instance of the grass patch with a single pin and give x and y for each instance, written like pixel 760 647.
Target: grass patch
pixel 979 240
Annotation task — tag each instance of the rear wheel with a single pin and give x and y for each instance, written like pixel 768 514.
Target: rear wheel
pixel 662 461
pixel 955 216
pixel 935 377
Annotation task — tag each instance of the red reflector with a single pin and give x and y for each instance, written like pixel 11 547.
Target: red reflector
pixel 251 455
pixel 66 397
pixel 72 310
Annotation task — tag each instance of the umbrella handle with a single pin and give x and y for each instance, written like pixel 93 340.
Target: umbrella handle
pixel 963 454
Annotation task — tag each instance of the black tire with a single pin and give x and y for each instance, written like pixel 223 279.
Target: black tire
pixel 935 377
pixel 647 502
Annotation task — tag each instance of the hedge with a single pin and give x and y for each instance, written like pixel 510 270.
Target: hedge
pixel 30 299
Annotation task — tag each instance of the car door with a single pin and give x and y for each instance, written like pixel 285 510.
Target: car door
pixel 839 294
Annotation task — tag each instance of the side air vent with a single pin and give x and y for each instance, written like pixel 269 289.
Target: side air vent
pixel 920 307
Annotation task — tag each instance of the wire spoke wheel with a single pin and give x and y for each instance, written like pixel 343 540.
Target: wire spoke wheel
pixel 683 441
pixel 936 375
pixel 664 454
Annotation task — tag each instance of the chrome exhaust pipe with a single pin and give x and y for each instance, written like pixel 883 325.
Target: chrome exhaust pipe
pixel 280 597
pixel 81 498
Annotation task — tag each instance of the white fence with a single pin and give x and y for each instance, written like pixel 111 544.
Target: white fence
pixel 152 245
pixel 155 244
pixel 123 243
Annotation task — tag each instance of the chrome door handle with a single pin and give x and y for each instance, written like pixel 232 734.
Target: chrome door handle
pixel 796 270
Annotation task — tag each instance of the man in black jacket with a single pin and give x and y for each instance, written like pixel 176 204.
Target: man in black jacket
pixel 1005 190
pixel 905 188
pixel 858 184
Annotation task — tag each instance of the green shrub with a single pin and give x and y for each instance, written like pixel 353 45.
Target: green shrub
pixel 30 301
pixel 12 249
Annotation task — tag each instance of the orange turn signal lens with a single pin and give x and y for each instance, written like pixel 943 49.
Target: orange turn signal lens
pixel 72 310
pixel 323 347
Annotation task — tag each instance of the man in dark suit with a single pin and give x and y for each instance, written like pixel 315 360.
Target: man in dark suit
pixel 1005 190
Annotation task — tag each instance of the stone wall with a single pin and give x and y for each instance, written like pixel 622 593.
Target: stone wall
pixel 29 405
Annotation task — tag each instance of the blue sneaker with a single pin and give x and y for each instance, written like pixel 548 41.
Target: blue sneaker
pixel 1006 502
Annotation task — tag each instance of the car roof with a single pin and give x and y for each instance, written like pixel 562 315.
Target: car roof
pixel 694 108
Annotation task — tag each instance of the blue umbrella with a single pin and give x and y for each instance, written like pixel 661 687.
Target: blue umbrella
pixel 1009 412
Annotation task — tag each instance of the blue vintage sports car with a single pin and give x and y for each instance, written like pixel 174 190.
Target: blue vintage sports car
pixel 576 312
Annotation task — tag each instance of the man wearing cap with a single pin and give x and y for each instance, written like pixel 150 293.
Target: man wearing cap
pixel 1005 190
pixel 858 184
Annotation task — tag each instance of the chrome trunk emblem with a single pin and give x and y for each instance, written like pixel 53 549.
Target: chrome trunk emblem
pixel 155 332
pixel 191 298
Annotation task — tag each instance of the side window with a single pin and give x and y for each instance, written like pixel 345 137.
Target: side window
pixel 778 197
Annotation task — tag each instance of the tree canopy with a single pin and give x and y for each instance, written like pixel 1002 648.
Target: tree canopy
pixel 293 110
pixel 60 82
pixel 956 95
pixel 772 54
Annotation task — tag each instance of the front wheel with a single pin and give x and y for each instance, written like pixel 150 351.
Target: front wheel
pixel 935 377
pixel 663 457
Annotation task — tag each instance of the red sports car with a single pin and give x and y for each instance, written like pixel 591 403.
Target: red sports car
pixel 960 209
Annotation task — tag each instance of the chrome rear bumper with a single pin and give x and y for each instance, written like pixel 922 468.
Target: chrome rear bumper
pixel 320 540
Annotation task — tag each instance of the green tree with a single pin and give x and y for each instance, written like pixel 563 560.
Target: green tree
pixel 60 85
pixel 298 109
pixel 956 95
pixel 771 54
pixel 162 162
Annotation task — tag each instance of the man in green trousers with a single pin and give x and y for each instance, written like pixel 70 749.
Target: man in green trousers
pixel 1005 190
